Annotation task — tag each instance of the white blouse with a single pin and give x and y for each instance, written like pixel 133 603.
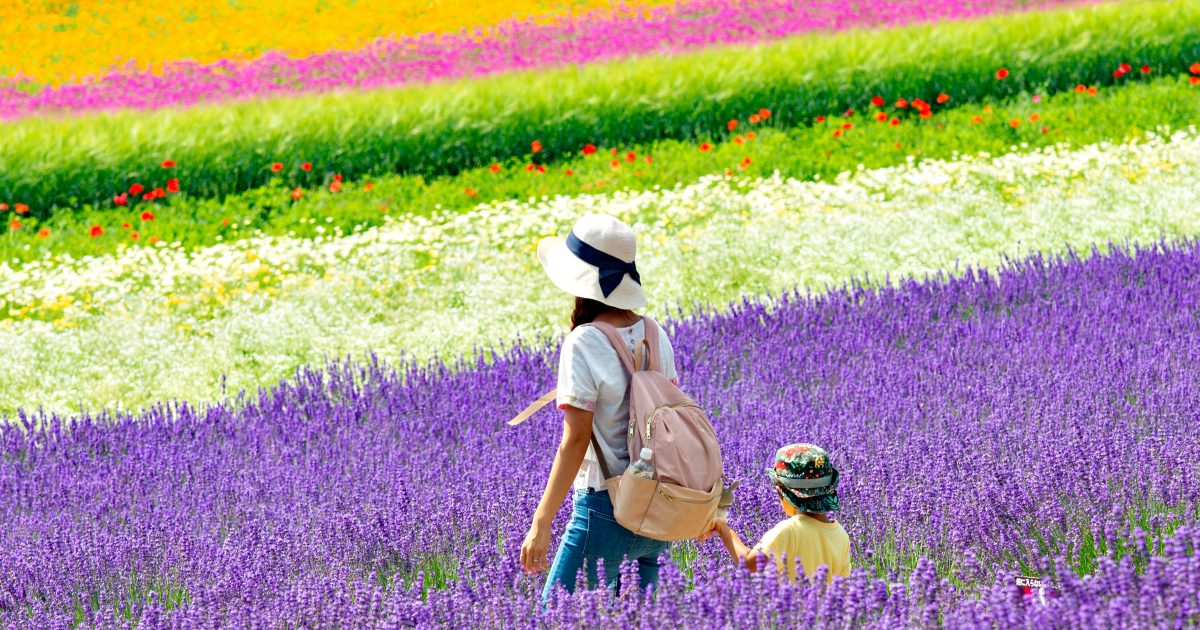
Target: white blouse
pixel 591 377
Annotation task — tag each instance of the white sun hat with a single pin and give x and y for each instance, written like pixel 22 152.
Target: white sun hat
pixel 595 261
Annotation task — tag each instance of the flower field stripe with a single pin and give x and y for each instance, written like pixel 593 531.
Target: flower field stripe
pixel 448 128
pixel 973 431
pixel 514 45
pixel 91 40
pixel 805 152
pixel 192 323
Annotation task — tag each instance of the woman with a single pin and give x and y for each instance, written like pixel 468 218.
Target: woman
pixel 595 263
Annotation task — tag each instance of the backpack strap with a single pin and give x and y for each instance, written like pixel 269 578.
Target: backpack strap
pixel 651 343
pixel 617 343
pixel 533 407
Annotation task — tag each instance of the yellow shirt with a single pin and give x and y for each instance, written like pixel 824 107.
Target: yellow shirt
pixel 811 541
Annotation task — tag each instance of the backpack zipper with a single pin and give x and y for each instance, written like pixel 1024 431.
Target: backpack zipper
pixel 654 414
pixel 671 498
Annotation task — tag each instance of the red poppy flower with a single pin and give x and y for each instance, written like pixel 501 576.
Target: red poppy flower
pixel 297 193
pixel 173 185
pixel 750 135
pixel 307 166
pixel 901 104
pixel 1034 117
pixel 134 236
pixel 704 146
pixel 1092 91
pixel 529 167
pixel 1145 69
pixel 877 101
pixel 925 113
pixel 14 225
pixel 848 113
pixel 168 164
pixel 121 199
pixel 649 159
pixel 1195 80
pixel 820 119
pixel 125 225
pixel 152 240
pixel 1014 123
pixel 21 208
pixel 541 168
pixel 589 149
pixel 881 116
pixel 495 168
pixel 1124 67
pixel 837 133
pixel 745 163
pixel 44 233
pixel 1002 73
pixel 1080 89
pixel 739 140
pixel 148 196
pixel 158 193
pixel 764 114
pixel 535 146
pixel 895 122
pixel 631 157
pixel 615 164
pixel 614 150
pixel 731 125
pixel 147 216
pixel 471 192
pixel 568 172
pixel 1118 73
pixel 335 186
pixel 225 221
pixel 3 207
pixel 1045 130
pixel 847 125
pixel 976 120
pixel 276 167
pixel 754 119
pixel 96 231
pixel 337 177
pixel 920 104
pixel 943 98
pixel 136 189
pixel 1195 69
pixel 368 186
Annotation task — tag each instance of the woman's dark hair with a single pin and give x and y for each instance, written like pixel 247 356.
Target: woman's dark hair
pixel 586 311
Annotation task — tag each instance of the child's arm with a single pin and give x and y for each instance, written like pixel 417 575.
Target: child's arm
pixel 752 558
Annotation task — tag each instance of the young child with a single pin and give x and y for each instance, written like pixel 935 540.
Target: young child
pixel 806 481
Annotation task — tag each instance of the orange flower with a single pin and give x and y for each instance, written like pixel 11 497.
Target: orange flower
pixel 847 125
pixel 750 135
pixel 615 164
pixel 925 113
pixel 276 167
pixel 368 186
pixel 1045 130
pixel 147 216
pixel 495 168
pixel 96 231
pixel 335 186
pixel 297 193
pixel 837 133
pixel 976 120
pixel 121 199
pixel 337 177
pixel 738 140
pixel 943 98
pixel 134 236
pixel 881 116
pixel 307 166
pixel 895 122
pixel 901 104
pixel 631 157
pixel 649 159
pixel 1195 80
pixel 1002 73
pixel 731 125
pixel 568 172
pixel 14 225
pixel 470 192
pixel 529 167
pixel 173 185
pixel 754 119
pixel 820 119
pixel 225 221
pixel 1195 69
pixel 1092 90
pixel 920 104
pixel 1014 123
pixel 536 146
pixel 987 109
pixel 168 164
pixel 44 233
pixel 541 168
pixel 125 225
pixel 1034 117
pixel 1080 89
pixel 21 208
pixel 877 101
pixel 3 207
pixel 706 147
pixel 745 163
pixel 152 240
pixel 764 114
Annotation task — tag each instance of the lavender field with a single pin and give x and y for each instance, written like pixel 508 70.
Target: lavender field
pixel 1035 421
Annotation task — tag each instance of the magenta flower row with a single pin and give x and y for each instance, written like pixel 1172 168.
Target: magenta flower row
pixel 517 45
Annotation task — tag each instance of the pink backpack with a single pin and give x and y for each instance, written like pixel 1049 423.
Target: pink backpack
pixel 681 499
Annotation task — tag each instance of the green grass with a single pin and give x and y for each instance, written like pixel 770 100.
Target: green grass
pixel 802 152
pixel 448 128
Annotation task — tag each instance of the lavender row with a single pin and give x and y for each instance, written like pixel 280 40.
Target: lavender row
pixel 517 45
pixel 1038 421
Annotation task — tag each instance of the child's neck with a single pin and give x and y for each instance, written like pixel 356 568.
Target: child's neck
pixel 824 518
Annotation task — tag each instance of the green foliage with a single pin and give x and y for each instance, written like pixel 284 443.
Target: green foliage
pixel 802 152
pixel 446 129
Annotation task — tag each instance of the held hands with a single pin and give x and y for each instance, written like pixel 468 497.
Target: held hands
pixel 534 550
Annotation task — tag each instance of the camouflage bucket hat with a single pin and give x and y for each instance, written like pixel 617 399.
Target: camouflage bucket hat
pixel 805 476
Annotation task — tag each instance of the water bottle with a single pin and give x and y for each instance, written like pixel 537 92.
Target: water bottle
pixel 642 468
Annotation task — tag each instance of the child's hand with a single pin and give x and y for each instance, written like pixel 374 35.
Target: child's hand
pixel 710 530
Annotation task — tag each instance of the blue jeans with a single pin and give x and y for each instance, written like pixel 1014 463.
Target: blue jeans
pixel 594 533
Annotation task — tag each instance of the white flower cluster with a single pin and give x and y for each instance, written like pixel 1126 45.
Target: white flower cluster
pixel 147 324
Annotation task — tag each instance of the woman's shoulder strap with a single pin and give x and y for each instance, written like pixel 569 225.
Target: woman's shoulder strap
pixel 618 344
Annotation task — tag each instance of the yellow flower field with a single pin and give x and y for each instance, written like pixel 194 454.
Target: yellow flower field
pixel 54 41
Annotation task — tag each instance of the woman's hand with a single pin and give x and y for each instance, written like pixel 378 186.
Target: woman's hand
pixel 534 550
